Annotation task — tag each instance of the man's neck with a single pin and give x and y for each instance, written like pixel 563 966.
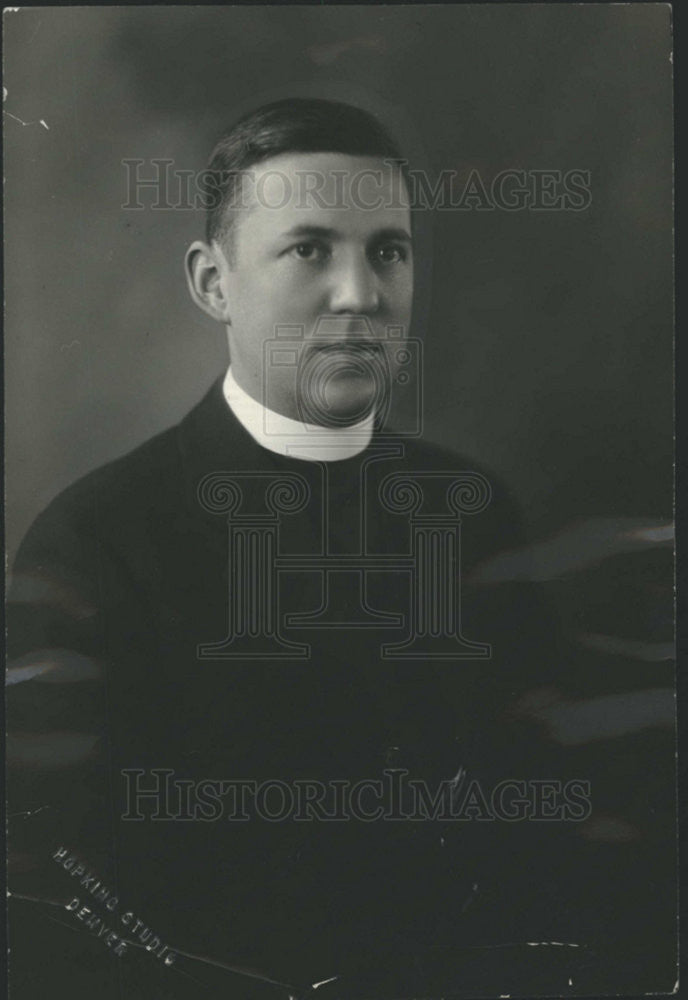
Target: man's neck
pixel 294 438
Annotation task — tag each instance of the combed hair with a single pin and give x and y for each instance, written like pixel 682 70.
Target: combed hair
pixel 295 125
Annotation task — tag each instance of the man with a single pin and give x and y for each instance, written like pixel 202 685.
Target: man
pixel 267 593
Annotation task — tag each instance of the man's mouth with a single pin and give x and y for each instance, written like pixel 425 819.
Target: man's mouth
pixel 354 348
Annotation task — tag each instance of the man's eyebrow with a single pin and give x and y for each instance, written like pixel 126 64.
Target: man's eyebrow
pixel 304 230
pixel 326 232
pixel 392 233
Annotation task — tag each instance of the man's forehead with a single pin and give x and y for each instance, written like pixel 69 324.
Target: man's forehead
pixel 332 190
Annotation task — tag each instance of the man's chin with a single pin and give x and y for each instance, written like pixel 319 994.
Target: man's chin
pixel 341 402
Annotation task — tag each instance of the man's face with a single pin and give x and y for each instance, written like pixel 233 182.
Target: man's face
pixel 326 235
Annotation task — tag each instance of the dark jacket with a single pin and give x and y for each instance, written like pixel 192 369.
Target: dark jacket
pixel 123 597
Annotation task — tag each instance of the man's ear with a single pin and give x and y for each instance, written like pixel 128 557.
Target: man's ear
pixel 203 267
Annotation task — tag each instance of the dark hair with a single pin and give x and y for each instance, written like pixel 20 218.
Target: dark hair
pixel 295 125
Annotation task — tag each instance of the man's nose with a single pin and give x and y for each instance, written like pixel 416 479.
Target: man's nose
pixel 354 287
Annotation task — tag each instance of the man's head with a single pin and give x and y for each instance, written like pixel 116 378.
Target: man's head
pixel 310 218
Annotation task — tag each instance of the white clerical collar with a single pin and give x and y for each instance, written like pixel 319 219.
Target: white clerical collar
pixel 294 438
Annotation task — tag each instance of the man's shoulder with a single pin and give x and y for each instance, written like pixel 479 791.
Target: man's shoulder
pixel 148 473
pixel 120 482
pixel 478 489
pixel 147 485
pixel 427 457
pixel 88 517
pixel 430 454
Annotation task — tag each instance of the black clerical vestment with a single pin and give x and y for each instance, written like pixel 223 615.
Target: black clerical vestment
pixel 130 671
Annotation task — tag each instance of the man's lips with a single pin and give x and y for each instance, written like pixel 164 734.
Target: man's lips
pixel 354 348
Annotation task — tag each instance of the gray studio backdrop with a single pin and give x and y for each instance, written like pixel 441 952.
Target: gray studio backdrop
pixel 547 334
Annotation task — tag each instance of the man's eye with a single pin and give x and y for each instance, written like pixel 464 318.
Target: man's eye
pixel 309 251
pixel 390 253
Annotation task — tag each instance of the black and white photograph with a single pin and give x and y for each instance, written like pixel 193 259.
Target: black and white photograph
pixel 339 501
